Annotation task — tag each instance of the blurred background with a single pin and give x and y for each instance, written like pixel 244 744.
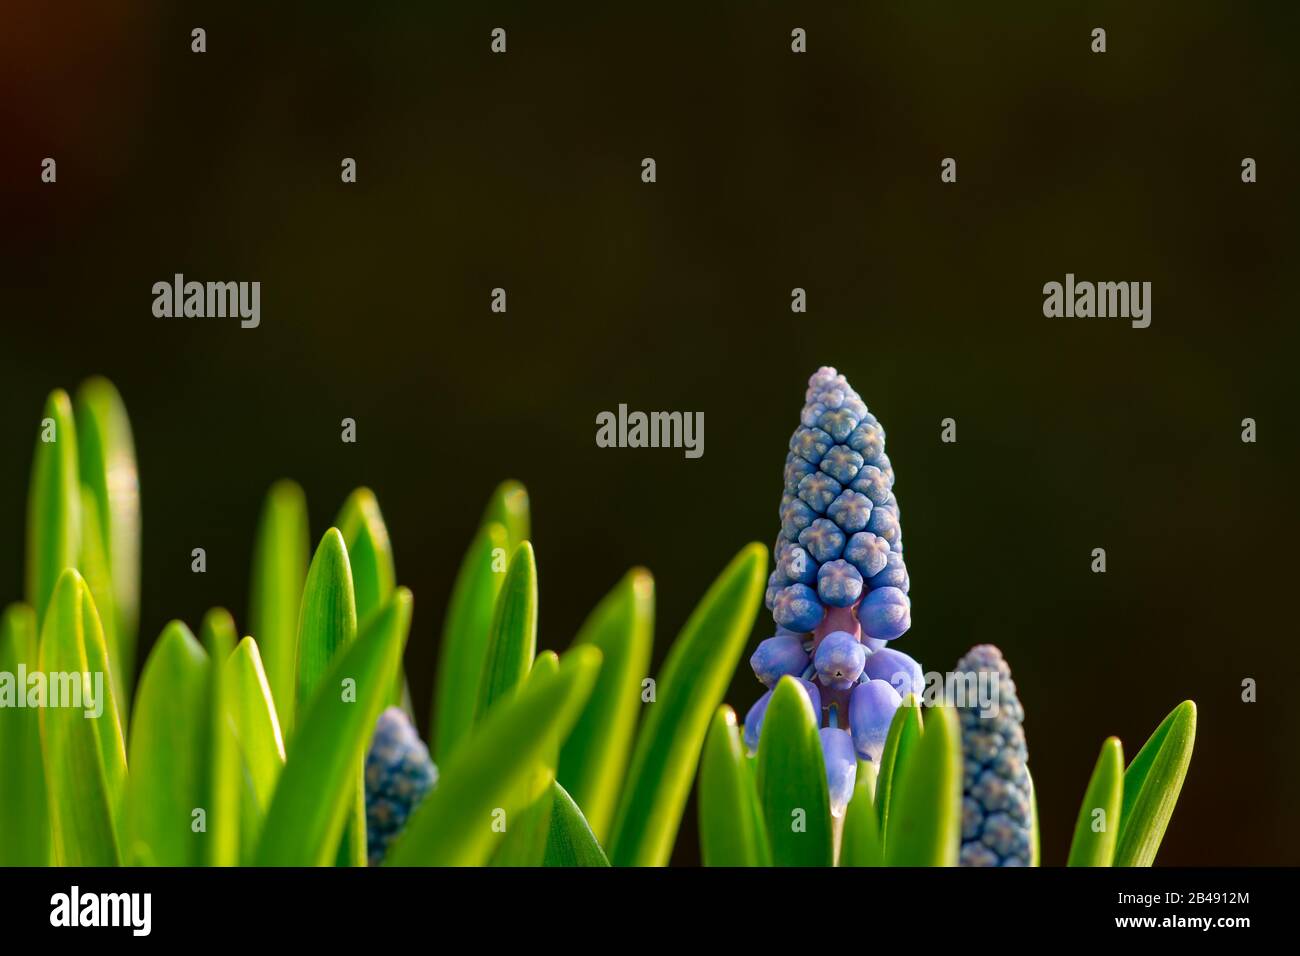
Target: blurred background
pixel 774 171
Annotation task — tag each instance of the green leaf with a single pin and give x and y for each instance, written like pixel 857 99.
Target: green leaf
pixel 370 552
pixel 85 761
pixel 791 777
pixel 526 838
pixel 861 844
pixel 1152 784
pixel 53 504
pixel 94 568
pixel 694 679
pixel 1035 838
pixel 495 769
pixel 328 620
pixel 316 792
pixel 904 732
pixel 732 832
pixel 595 756
pixel 259 744
pixel 465 639
pixel 170 753
pixel 219 638
pixel 279 575
pixel 24 820
pixel 571 842
pixel 106 451
pixel 1105 794
pixel 509 508
pixel 512 641
pixel 925 821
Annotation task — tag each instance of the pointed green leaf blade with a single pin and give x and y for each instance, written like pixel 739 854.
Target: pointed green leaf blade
pixel 791 777
pixel 512 641
pixel 80 788
pixel 525 841
pixel 24 820
pixel 571 841
pixel 259 745
pixel 861 844
pixel 694 679
pixel 170 752
pixel 316 792
pixel 732 831
pixel 219 638
pixel 1097 827
pixel 106 452
pixel 53 504
pixel 94 568
pixel 925 821
pixel 594 758
pixel 904 732
pixel 509 508
pixel 370 551
pixel 1035 838
pixel 374 573
pixel 280 559
pixel 328 620
pixel 491 774
pixel 465 638
pixel 1152 784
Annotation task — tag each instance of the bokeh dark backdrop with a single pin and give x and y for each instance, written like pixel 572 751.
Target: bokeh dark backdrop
pixel 775 171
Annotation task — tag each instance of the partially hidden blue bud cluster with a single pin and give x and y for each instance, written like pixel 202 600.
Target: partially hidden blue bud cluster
pixel 398 775
pixel 839 591
pixel 996 798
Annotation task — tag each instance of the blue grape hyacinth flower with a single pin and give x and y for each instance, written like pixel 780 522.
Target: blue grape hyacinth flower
pixel 398 775
pixel 840 587
pixel 996 795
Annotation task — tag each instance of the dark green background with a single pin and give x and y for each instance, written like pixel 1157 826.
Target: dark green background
pixel 775 171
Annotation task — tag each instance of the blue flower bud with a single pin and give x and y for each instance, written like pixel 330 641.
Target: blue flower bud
pixel 795 469
pixel 839 660
pixel 778 656
pixel 398 774
pixel 868 553
pixel 797 566
pixel 841 463
pixel 871 710
pixel 841 767
pixel 839 584
pixel 795 516
pixel 823 540
pixel 872 482
pixel 839 422
pixel 894 574
pixel 850 511
pixel 818 490
pixel 810 444
pixel 797 608
pixel 776 581
pixel 996 801
pixel 811 414
pixel 754 721
pixel 885 613
pixel 896 669
pixel 868 440
pixel 883 522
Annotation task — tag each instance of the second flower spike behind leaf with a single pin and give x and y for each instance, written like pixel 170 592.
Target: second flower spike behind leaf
pixel 317 788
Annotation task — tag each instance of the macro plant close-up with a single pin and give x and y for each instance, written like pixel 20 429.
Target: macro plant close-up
pixel 292 741
pixel 571 469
